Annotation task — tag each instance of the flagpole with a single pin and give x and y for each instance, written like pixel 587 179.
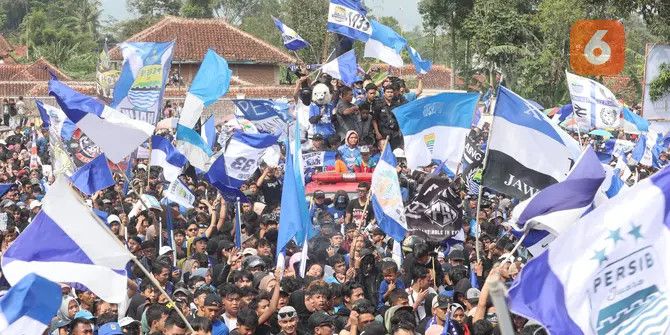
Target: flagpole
pixel 137 262
pixel 128 181
pixel 146 187
pixel 481 186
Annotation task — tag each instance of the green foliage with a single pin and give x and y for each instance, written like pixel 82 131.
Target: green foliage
pixel 235 11
pixel 308 18
pixel 661 85
pixel 154 8
pixel 197 8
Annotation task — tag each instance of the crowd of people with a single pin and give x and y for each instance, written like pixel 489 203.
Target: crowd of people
pixel 351 284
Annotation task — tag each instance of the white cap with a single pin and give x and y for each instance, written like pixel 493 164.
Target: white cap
pixel 125 321
pixel 113 218
pixel 35 203
pixel 142 166
pixel 399 153
pixel 164 250
pixel 250 252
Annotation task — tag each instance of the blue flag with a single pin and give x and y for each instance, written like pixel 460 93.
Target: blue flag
pixel 208 132
pixel 292 40
pixel 55 120
pixel 139 90
pixel 386 199
pixel 554 209
pixel 421 66
pixel 4 188
pixel 29 306
pixel 293 205
pixel 607 274
pixel 218 177
pixel 343 68
pixel 348 18
pixel 93 176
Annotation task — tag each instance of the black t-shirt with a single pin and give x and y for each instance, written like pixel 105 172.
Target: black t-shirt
pixel 271 190
pixel 386 121
pixel 297 301
pixel 356 210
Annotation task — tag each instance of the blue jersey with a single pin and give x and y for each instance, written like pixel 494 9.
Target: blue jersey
pixel 324 126
pixel 349 155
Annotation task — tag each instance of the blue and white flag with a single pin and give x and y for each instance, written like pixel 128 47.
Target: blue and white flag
pixel 294 216
pixel 178 192
pixel 139 90
pixel 163 154
pixel 593 103
pixel 554 209
pixel 55 120
pixel 633 123
pixel 292 40
pixel 435 127
pixel 28 307
pixel 243 153
pixel 266 116
pixel 527 152
pixel 210 83
pixel 648 149
pixel 608 274
pixel 218 177
pixel 421 66
pixel 94 176
pixel 208 131
pixel 385 45
pixel 193 147
pixel 614 148
pixel 65 243
pixel 613 184
pixel 116 134
pixel 343 68
pixel 386 199
pixel 348 18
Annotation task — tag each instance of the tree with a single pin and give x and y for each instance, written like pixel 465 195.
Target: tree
pixel 307 17
pixel 235 11
pixel 197 8
pixel 154 8
pixel 448 15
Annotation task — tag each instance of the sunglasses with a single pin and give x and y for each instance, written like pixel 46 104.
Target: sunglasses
pixel 192 229
pixel 287 315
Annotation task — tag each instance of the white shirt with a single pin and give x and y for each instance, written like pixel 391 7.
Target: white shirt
pixel 230 322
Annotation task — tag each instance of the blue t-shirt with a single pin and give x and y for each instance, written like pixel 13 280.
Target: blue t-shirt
pixel 219 328
pixel 325 125
pixel 349 155
pixel 410 96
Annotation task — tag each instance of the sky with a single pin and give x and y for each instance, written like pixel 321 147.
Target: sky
pixel 405 11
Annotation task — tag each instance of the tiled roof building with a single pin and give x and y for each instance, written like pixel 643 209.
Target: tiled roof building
pixel 251 59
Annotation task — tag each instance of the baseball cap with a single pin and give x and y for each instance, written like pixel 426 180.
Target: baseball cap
pixel 317 137
pixel 164 250
pixel 213 300
pixel 110 328
pixel 250 252
pixel 440 301
pixel 200 238
pixel 365 149
pixel 110 219
pixel 399 153
pixel 84 314
pixel 253 261
pixel 127 321
pixel 473 294
pixel 60 323
pixel 319 194
pixel 286 312
pixel 36 203
pixel 456 255
pixel 319 319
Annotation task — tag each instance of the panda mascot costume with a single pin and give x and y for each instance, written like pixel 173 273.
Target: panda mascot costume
pixel 321 111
